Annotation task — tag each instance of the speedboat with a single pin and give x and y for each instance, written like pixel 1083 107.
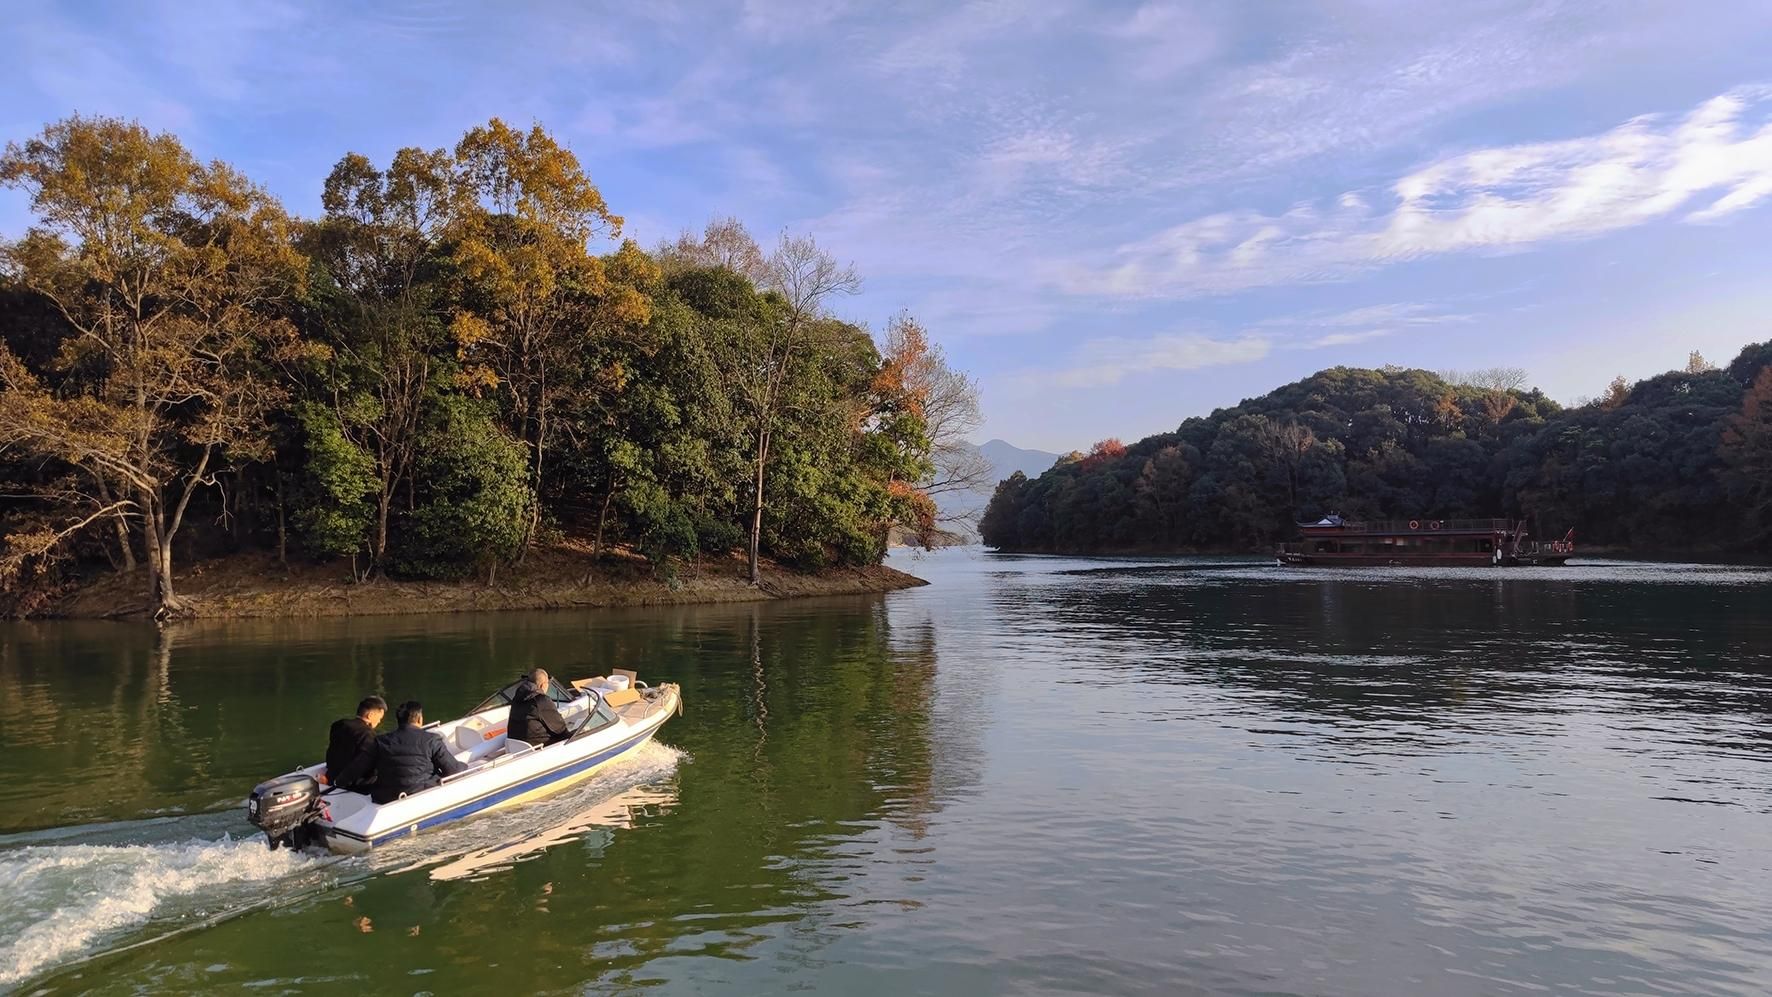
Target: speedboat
pixel 609 717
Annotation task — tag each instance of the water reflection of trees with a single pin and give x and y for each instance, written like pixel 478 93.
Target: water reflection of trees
pixel 813 736
pixel 1368 648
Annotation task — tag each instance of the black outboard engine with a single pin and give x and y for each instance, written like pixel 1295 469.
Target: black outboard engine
pixel 282 808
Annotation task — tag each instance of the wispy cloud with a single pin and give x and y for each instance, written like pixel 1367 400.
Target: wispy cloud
pixel 1108 360
pixel 1167 38
pixel 1324 329
pixel 1347 338
pixel 1397 313
pixel 1712 162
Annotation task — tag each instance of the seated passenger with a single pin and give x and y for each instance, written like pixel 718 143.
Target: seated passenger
pixel 534 717
pixel 411 758
pixel 350 751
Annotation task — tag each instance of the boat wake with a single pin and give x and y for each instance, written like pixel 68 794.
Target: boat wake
pixel 72 893
pixel 60 899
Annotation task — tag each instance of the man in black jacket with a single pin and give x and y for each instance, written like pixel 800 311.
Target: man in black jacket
pixel 350 750
pixel 411 758
pixel 534 717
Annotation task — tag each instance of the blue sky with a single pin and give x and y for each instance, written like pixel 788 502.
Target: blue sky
pixel 1114 215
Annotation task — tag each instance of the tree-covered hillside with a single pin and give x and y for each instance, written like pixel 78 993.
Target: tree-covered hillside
pixel 1679 460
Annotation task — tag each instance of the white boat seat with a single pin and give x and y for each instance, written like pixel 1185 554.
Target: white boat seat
pixel 515 747
pixel 469 733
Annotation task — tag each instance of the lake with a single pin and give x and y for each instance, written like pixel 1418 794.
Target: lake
pixel 1037 775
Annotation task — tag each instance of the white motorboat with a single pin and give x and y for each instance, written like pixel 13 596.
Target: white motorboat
pixel 609 717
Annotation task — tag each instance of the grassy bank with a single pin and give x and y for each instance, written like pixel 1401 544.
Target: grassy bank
pixel 559 577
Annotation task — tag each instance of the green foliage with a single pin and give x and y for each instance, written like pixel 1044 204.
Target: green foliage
pixel 1646 466
pixel 336 505
pixel 1747 455
pixel 439 369
pixel 472 509
pixel 666 527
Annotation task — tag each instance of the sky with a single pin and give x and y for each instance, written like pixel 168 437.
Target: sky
pixel 1114 216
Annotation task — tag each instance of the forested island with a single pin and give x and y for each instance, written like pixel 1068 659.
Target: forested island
pixel 1679 462
pixel 439 379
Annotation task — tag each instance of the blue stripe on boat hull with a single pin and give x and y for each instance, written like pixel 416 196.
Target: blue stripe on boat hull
pixel 472 807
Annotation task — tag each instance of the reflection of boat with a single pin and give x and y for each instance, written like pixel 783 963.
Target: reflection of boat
pixel 608 721
pixel 1333 540
pixel 615 812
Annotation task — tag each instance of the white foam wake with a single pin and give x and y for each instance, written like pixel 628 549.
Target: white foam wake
pixel 57 900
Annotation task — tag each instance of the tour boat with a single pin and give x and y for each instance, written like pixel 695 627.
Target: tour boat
pixel 609 717
pixel 1333 540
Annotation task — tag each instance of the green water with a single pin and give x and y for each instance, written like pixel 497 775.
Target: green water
pixel 1037 775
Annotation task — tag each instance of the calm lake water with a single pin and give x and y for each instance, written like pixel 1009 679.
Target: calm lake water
pixel 1037 775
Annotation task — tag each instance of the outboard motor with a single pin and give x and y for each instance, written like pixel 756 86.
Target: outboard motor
pixel 282 808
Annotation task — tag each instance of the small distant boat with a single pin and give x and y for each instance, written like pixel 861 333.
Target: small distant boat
pixel 610 717
pixel 1467 542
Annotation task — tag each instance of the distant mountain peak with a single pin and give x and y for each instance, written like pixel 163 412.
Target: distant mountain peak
pixel 1005 459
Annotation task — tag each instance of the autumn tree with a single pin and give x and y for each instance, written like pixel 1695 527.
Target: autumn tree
pixel 1101 452
pixel 1617 393
pixel 532 290
pixel 169 272
pixel 899 422
pixel 1697 364
pixel 948 402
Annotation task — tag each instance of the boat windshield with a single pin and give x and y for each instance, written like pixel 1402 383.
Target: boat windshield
pixel 558 691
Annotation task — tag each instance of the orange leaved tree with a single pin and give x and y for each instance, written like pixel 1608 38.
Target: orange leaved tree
pixel 169 272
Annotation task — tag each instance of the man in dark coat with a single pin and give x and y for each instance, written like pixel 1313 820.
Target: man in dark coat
pixel 350 750
pixel 411 758
pixel 534 717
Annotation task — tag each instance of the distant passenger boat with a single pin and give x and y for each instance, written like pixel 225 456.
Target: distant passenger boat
pixel 1333 540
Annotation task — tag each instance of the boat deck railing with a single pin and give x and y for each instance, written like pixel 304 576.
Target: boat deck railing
pixel 1423 525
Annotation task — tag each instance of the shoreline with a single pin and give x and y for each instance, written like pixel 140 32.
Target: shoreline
pixel 256 585
pixel 1607 552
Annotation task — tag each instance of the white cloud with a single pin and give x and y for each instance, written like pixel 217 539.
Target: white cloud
pixel 1399 313
pixel 1713 162
pixel 1347 338
pixel 941 50
pixel 1106 361
pixel 1168 38
pixel 1360 325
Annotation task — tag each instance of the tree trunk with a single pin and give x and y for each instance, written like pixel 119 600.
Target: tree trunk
pixel 757 520
pixel 602 518
pixel 120 524
pixel 541 436
pixel 282 525
pixel 383 500
pixel 161 599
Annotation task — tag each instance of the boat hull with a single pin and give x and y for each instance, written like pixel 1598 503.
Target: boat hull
pixel 1388 560
pixel 351 824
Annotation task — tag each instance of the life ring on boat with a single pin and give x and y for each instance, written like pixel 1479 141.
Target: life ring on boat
pixel 1434 525
pixel 1415 524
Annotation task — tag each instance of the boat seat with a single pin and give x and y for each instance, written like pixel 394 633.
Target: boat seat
pixel 469 733
pixel 515 747
pixel 477 739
